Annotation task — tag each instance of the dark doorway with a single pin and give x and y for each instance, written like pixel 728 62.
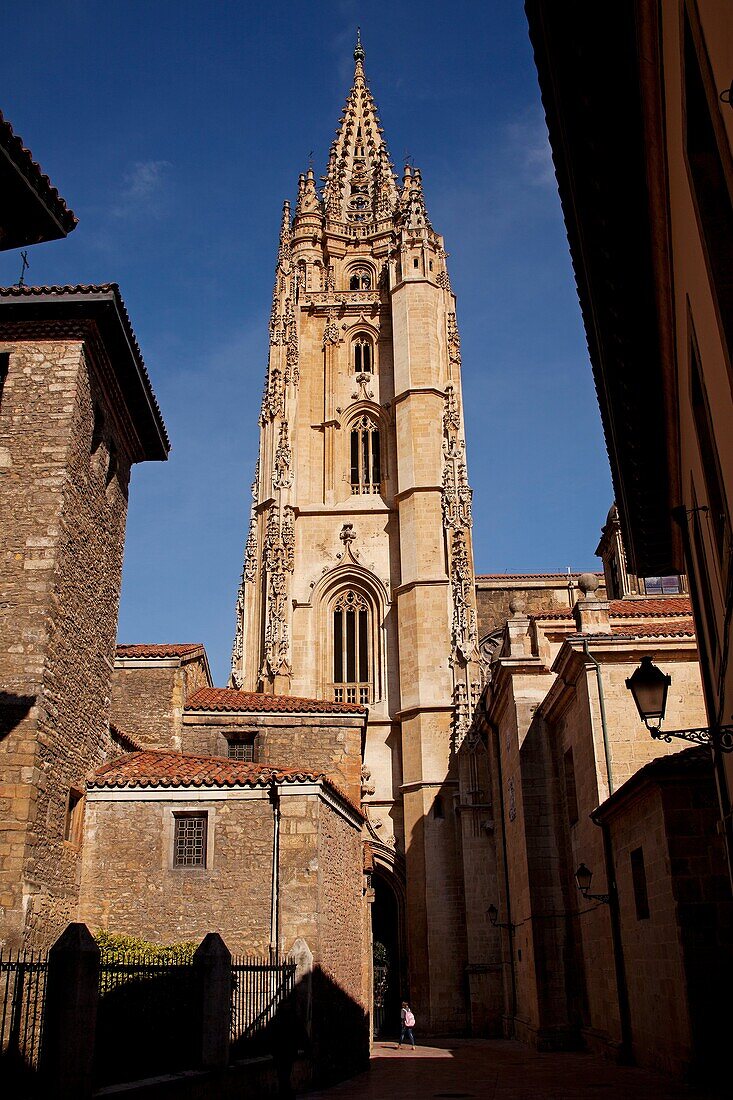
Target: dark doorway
pixel 388 959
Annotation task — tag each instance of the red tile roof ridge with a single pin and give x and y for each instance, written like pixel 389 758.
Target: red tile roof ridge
pixel 163 768
pixel 232 699
pixel 158 649
pixel 529 576
pixel 630 607
pixel 682 628
pixel 22 157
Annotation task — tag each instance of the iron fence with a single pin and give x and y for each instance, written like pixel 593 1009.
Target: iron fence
pixel 152 1002
pixel 22 996
pixel 259 987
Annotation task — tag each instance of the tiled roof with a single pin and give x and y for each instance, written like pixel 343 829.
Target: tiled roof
pixel 630 608
pixel 124 740
pixel 227 699
pixel 152 768
pixel 107 301
pixel 161 650
pixel 21 157
pixel 679 628
pixel 530 576
pixel 697 760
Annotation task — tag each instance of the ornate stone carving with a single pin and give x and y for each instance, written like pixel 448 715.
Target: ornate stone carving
pixel 367 786
pixel 331 331
pixel 460 713
pixel 283 459
pixel 464 612
pixel 457 493
pixel 443 280
pixel 454 340
pixel 347 534
pixel 249 572
pixel 363 393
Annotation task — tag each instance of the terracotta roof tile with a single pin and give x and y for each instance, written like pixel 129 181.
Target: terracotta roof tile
pixel 630 608
pixel 22 158
pixel 227 699
pixel 530 576
pixel 679 628
pixel 153 768
pixel 161 650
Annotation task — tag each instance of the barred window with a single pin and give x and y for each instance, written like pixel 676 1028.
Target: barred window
pixel 361 277
pixel 189 843
pixel 352 657
pixel 242 749
pixel 366 464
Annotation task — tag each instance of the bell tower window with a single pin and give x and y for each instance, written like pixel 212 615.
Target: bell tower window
pixel 366 465
pixel 363 358
pixel 360 279
pixel 352 657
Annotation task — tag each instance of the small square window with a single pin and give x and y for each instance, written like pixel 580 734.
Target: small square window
pixel 189 842
pixel 74 818
pixel 241 750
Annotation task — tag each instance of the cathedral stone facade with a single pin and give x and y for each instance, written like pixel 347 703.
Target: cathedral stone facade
pixel 358 582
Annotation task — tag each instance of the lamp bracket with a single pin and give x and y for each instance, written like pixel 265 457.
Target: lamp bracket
pixel 720 736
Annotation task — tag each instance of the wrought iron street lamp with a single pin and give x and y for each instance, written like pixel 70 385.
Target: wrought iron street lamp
pixel 493 914
pixel 649 686
pixel 583 878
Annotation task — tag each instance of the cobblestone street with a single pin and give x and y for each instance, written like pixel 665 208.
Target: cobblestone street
pixel 494 1070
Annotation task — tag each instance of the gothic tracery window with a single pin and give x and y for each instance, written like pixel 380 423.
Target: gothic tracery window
pixel 352 656
pixel 363 355
pixel 366 465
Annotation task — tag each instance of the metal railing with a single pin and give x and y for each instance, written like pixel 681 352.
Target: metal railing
pixel 259 987
pixel 22 996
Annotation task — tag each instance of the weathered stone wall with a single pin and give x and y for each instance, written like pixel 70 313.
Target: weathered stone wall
pixel 61 542
pixel 148 697
pixel 538 593
pixel 332 745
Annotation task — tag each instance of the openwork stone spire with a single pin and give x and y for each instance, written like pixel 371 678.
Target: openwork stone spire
pixel 360 182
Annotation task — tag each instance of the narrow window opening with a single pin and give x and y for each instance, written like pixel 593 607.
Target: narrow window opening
pixel 415 263
pixel 352 657
pixel 4 368
pixel 638 878
pixel 571 792
pixel 362 358
pixel 438 810
pixel 366 460
pixel 74 818
pixel 189 841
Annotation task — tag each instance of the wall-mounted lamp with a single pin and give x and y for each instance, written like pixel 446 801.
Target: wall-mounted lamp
pixel 583 878
pixel 493 914
pixel 649 686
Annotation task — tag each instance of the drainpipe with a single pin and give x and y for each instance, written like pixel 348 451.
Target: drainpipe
pixel 505 865
pixel 274 795
pixel 622 993
pixel 602 704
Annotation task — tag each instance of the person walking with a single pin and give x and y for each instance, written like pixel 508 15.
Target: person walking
pixel 407 1022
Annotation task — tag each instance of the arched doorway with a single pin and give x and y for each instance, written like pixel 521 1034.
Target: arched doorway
pixel 390 979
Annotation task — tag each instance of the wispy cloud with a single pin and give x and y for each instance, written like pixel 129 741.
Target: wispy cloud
pixel 528 141
pixel 143 189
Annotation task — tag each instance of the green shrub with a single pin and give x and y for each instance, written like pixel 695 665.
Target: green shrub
pixel 114 945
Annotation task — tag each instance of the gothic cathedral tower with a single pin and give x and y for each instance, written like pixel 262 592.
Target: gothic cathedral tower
pixel 358 580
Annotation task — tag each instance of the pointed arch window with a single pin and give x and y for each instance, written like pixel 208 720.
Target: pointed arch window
pixel 366 459
pixel 352 649
pixel 363 354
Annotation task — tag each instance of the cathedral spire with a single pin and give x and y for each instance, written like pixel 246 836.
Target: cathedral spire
pixel 360 183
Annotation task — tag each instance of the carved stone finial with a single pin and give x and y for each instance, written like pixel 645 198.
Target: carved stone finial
pixel 359 54
pixel 517 604
pixel 588 584
pixel 348 534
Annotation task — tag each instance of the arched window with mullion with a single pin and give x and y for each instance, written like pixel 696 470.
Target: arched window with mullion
pixel 352 656
pixel 362 355
pixel 366 458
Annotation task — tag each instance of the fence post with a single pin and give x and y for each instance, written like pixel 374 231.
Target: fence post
pixel 213 967
pixel 70 1015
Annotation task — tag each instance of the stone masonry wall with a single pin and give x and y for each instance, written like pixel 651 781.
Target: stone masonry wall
pixel 288 741
pixel 148 698
pixel 61 542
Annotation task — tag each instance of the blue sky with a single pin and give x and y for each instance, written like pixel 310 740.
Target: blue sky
pixel 175 130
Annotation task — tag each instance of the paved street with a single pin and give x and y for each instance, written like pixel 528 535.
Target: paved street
pixel 494 1070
